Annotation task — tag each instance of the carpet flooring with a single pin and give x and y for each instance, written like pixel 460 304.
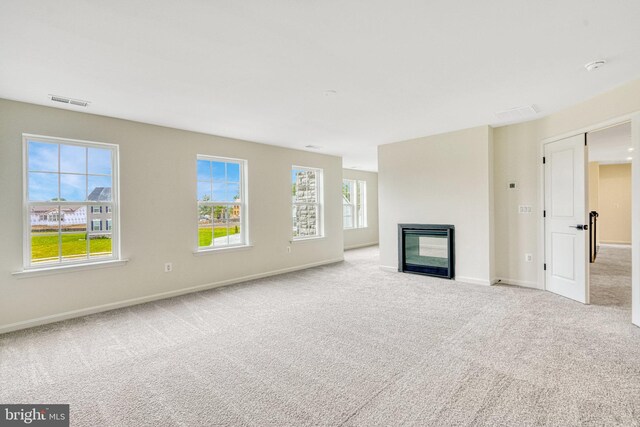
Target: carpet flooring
pixel 341 345
pixel 610 280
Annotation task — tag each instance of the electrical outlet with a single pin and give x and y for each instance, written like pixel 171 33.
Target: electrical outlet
pixel 288 249
pixel 528 257
pixel 168 267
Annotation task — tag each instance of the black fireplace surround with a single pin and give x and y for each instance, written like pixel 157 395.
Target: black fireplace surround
pixel 426 249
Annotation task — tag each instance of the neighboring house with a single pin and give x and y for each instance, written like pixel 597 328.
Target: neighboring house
pixel 235 211
pixel 45 218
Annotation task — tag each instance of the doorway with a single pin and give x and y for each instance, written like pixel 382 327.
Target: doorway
pixel 565 215
pixel 610 153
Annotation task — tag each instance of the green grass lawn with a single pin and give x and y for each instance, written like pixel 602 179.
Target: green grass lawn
pixel 205 237
pixel 44 247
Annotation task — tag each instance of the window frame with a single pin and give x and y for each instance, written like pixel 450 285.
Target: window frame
pixel 361 189
pixel 244 205
pixel 351 204
pixel 319 203
pixel 28 265
pixel 358 198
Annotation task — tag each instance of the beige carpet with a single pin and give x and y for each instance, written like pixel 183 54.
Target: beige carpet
pixel 341 345
pixel 611 276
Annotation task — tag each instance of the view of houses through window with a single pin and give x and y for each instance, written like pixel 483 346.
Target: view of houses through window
pixel 306 192
pixel 70 201
pixel 354 203
pixel 221 203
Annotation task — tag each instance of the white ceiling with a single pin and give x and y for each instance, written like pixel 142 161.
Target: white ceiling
pixel 610 145
pixel 258 70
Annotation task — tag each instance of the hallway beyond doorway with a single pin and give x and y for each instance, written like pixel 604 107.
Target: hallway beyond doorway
pixel 610 282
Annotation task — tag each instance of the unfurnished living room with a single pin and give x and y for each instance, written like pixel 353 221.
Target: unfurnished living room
pixel 319 213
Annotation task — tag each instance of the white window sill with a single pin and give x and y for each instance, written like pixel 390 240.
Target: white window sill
pixel 45 271
pixel 200 252
pixel 307 239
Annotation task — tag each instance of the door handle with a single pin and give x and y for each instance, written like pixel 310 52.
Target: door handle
pixel 580 226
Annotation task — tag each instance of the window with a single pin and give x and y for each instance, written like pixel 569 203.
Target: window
pixel 221 203
pixel 354 203
pixel 67 184
pixel 306 191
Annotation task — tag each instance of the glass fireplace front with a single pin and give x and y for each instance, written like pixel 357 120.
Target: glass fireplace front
pixel 426 249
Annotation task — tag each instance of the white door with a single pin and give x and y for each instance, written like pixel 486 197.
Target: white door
pixel 566 239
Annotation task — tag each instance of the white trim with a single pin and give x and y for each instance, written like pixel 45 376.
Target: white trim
pixel 59 140
pixel 362 197
pixel 244 205
pixel 352 183
pixel 319 203
pixel 516 282
pixel 634 118
pixel 57 269
pixel 592 128
pixel 235 248
pixel 359 194
pixel 461 279
pixel 472 280
pixel 540 220
pixel 162 295
pixel 613 243
pixel 114 203
pixel 360 245
pixel 635 222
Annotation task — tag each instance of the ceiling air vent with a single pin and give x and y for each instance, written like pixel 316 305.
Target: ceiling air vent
pixel 313 147
pixel 517 113
pixel 64 100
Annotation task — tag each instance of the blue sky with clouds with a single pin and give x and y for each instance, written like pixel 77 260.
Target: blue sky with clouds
pixel 71 163
pixel 218 181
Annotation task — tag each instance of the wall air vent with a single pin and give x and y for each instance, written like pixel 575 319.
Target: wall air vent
pixel 64 100
pixel 517 113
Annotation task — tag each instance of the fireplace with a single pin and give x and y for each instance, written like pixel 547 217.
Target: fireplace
pixel 426 249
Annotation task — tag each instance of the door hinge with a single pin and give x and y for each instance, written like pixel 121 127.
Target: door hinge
pixel 544 160
pixel 545 266
pixel 544 213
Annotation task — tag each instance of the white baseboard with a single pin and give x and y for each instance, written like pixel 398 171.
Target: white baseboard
pixel 360 245
pixel 24 324
pixel 469 280
pixel 473 280
pixel 516 282
pixel 614 244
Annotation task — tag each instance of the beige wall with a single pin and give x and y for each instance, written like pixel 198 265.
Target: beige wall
pixel 614 207
pixel 517 157
pixel 358 237
pixel 594 182
pixel 593 173
pixel 157 174
pixel 441 179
